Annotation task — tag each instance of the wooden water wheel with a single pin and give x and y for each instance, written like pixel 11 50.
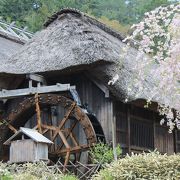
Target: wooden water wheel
pixel 62 132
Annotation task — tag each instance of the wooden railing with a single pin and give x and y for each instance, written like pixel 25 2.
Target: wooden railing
pixel 12 31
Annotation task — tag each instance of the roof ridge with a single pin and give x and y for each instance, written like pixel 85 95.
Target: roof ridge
pixel 92 20
pixel 12 32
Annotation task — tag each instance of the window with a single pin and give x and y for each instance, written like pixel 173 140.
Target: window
pixel 141 133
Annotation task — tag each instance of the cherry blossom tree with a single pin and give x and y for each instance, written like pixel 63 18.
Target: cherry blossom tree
pixel 158 37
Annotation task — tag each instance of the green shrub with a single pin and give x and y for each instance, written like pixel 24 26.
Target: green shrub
pixel 103 153
pixel 69 177
pixel 153 166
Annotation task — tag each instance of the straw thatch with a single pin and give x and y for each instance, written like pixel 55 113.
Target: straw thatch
pixel 11 39
pixel 10 43
pixel 74 41
pixel 7 48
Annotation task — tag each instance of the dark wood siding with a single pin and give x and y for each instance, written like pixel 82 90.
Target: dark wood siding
pixel 164 141
pixel 177 138
pixel 139 130
pixel 97 103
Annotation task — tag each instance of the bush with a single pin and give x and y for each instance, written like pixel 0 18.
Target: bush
pixel 103 153
pixel 31 171
pixel 153 166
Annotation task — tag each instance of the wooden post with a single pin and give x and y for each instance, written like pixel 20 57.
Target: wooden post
pixel 129 129
pixel 154 130
pixel 38 113
pixel 114 137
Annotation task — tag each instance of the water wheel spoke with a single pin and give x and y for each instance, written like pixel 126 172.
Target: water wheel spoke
pixel 70 130
pixel 54 135
pixel 51 148
pixel 64 140
pixel 45 131
pixel 72 135
pixel 66 160
pixel 66 116
pixel 49 127
pixel 12 128
pixel 72 150
pixel 73 138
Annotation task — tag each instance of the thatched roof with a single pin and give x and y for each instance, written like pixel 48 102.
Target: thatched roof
pixel 12 39
pixel 7 48
pixel 72 40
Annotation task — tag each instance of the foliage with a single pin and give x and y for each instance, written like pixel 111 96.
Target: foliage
pixel 114 24
pixel 31 171
pixel 103 153
pixel 152 166
pixel 33 13
pixel 15 10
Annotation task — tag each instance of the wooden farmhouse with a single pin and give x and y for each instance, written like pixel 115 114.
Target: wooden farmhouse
pixel 57 83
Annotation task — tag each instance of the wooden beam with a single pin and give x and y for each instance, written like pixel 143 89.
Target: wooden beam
pixel 54 136
pixel 64 140
pixel 37 78
pixel 8 94
pixel 70 130
pixel 66 160
pixel 50 127
pixel 114 137
pixel 72 135
pixel 9 126
pixel 154 129
pixel 14 33
pixel 38 112
pixel 129 129
pixel 74 149
pixel 66 116
pixel 12 128
pixel 45 131
pixel 99 84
